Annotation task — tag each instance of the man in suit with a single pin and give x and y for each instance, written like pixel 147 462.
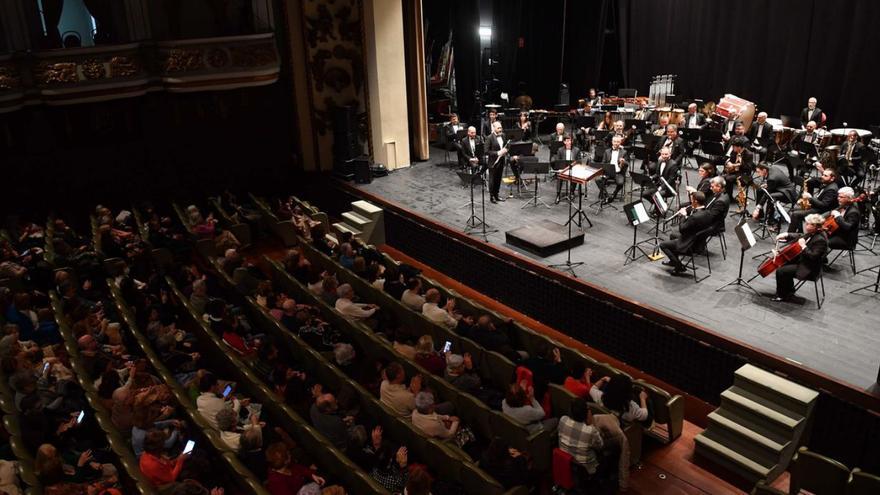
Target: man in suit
pixel 848 218
pixel 488 121
pixel 453 127
pixel 849 164
pixel 719 203
pixel 694 119
pixel 728 126
pixel 812 113
pixel 665 168
pixel 823 201
pixel 808 263
pixel 569 153
pixel 555 139
pixel 739 165
pixel 470 149
pixel 615 155
pixel 761 134
pixel 674 142
pixel 698 222
pixel 496 150
pixel 776 186
pixel 806 141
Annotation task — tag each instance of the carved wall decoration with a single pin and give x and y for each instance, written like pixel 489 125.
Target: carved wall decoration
pixel 182 60
pixel 335 53
pixel 217 58
pixel 93 69
pixel 254 55
pixel 123 66
pixel 9 79
pixel 57 73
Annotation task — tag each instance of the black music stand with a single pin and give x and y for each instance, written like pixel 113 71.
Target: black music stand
pixel 875 286
pixel 514 134
pixel 559 166
pixel 642 180
pixel 535 168
pixel 603 192
pixel 661 207
pixel 578 215
pixel 636 214
pixel 711 135
pixel 691 136
pixel 474 221
pixel 746 242
pixel 568 265
pixel 585 121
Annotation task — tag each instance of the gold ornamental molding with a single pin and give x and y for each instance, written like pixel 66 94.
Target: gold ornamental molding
pixel 80 75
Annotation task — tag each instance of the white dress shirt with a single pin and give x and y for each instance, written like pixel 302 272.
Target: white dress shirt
pixel 352 310
pixel 209 405
pixel 439 315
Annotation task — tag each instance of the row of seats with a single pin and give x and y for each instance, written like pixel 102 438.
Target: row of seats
pixel 13 427
pixel 821 475
pixel 668 408
pixel 444 459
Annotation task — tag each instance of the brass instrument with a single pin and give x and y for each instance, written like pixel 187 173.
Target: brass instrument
pixel 733 167
pixel 804 202
pixel 741 198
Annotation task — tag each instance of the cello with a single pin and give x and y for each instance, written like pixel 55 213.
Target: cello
pixel 782 257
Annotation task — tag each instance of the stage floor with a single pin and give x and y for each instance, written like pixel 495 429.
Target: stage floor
pixel 837 340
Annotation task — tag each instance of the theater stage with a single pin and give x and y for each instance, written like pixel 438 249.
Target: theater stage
pixel 840 340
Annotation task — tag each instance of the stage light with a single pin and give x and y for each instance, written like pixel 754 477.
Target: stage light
pixel 485 32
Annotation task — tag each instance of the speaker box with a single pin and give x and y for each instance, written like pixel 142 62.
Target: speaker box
pixel 362 172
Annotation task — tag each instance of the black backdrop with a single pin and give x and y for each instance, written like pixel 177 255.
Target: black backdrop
pixel 776 53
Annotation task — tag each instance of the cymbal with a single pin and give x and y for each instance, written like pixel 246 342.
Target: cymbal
pixel 492 105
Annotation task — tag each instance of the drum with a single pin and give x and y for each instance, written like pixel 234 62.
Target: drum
pixel 783 135
pixel 734 105
pixel 838 136
pixel 830 155
pixel 677 117
pixel 824 137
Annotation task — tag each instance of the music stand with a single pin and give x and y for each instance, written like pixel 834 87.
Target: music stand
pixel 662 207
pixel 637 124
pixel 636 214
pixel 578 215
pixel 746 241
pixel 475 221
pixel 568 266
pixel 535 168
pixel 559 166
pixel 627 92
pixel 710 134
pixel 585 121
pixel 514 134
pixel 641 179
pixel 875 286
pixel 603 193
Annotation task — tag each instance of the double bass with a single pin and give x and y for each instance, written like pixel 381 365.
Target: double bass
pixel 782 257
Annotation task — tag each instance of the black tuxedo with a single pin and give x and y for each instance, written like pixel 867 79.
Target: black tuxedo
pixel 495 169
pixel 856 169
pixel 451 133
pixel 847 234
pixel 718 206
pixel 560 155
pixel 804 137
pixel 766 139
pixel 554 142
pixel 700 120
pixel 677 147
pixel 804 266
pixel 705 187
pixel 486 127
pixel 669 173
pixel 618 177
pixel 745 170
pixel 696 225
pixel 465 152
pixel 822 201
pixel 815 116
pixel 776 187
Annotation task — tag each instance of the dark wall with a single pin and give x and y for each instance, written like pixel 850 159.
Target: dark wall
pixel 157 146
pixel 776 54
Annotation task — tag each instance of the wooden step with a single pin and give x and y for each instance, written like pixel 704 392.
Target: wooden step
pixel 756 408
pixel 788 394
pixel 727 457
pixel 366 209
pixel 744 439
pixel 355 220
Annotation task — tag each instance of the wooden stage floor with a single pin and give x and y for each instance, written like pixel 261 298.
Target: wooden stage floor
pixel 840 340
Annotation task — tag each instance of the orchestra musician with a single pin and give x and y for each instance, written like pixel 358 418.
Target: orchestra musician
pixel 526 126
pixel 665 168
pixel 617 130
pixel 607 123
pixel 453 127
pixel 823 201
pixel 694 119
pixel 814 243
pixel 848 220
pixel 593 98
pixel 517 162
pixel 554 140
pixel 659 128
pixel 777 187
pixel 469 149
pixel 706 172
pixel 496 149
pixel 849 164
pixel 812 113
pixel 719 203
pixel 488 121
pixel 697 222
pixel 569 153
pixel 674 142
pixel 761 134
pixel 616 156
pixel 806 142
pixel 739 165
pixel 728 126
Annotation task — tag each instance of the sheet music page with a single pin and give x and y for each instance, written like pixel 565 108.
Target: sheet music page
pixel 749 236
pixel 641 214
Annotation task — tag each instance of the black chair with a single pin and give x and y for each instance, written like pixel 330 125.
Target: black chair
pixel 818 281
pixel 699 246
pixel 852 258
pixel 718 231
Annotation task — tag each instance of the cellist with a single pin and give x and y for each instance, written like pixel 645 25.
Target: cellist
pixel 814 246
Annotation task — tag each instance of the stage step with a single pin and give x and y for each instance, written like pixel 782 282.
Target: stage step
pixel 355 220
pixel 366 209
pixel 365 221
pixel 344 227
pixel 758 426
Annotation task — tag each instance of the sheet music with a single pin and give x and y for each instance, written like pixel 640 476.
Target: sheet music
pixel 745 235
pixel 580 173
pixel 641 214
pixel 660 203
pixel 781 210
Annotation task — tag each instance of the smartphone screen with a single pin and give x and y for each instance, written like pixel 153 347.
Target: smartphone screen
pixel 45 368
pixel 189 446
pixel 227 391
pixel 80 417
pixel 447 346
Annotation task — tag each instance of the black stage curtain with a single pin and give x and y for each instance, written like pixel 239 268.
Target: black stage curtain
pixel 774 53
pixel 465 23
pixel 537 62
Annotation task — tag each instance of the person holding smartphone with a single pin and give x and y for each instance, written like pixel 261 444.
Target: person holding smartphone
pixel 158 468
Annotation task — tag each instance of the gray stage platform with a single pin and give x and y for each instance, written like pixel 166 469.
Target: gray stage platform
pixel 841 340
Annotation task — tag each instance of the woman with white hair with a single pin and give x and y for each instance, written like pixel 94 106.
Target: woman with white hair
pixel 432 424
pixel 814 245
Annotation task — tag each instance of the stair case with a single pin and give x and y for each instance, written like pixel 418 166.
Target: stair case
pixel 759 425
pixel 365 221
